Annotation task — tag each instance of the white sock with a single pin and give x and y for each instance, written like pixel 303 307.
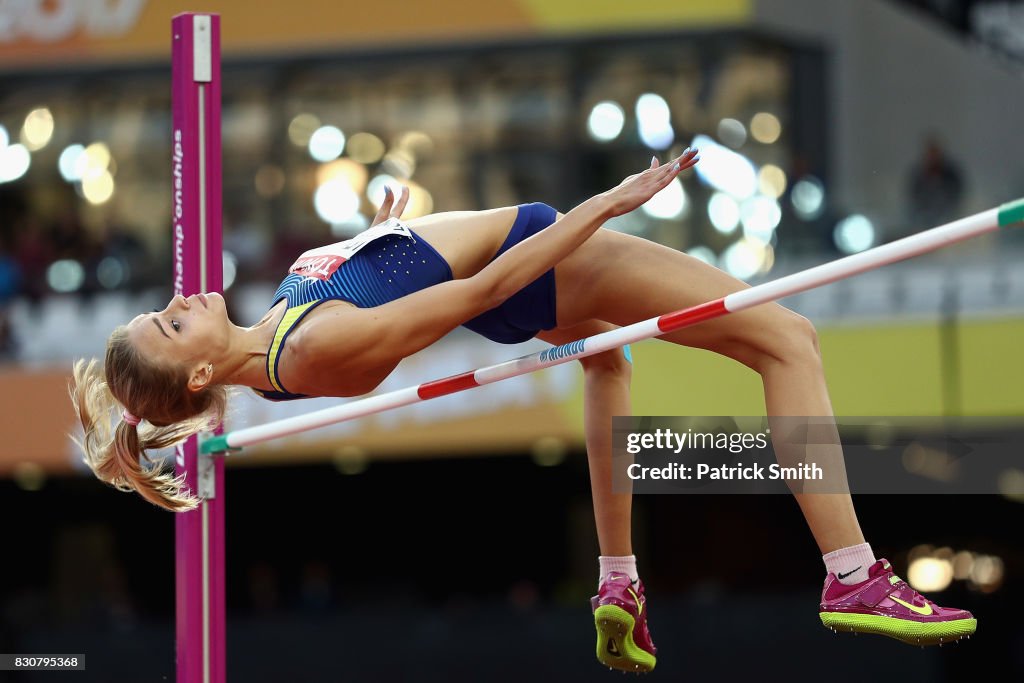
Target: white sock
pixel 625 564
pixel 850 565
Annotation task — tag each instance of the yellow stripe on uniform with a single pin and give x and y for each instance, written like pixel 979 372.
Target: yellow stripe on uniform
pixel 283 327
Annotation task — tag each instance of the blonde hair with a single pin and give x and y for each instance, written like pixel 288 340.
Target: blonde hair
pixel 159 395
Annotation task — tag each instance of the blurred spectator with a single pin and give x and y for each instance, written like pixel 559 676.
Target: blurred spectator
pixel 88 582
pixel 315 591
pixel 34 251
pixel 69 237
pixel 250 244
pixel 936 187
pixel 124 261
pixel 290 243
pixel 264 591
pixel 10 276
pixel 10 283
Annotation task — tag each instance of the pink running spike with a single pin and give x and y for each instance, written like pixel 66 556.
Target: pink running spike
pixel 887 605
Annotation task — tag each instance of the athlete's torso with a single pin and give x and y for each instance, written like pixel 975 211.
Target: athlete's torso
pixel 393 260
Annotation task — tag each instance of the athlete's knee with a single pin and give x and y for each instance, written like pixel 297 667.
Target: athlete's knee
pixel 616 362
pixel 780 336
pixel 795 337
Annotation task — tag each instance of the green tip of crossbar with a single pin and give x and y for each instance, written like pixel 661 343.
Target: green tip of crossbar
pixel 1012 212
pixel 216 444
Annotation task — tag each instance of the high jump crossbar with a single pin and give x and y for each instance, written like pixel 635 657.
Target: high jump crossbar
pixel 840 269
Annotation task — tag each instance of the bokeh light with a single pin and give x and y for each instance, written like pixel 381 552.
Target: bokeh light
pixel 335 201
pixel 760 216
pixel 724 169
pixel 98 186
pixel 366 148
pixel 930 574
pixel 549 451
pixel 732 132
pixel 96 156
pixel 667 204
pixel 771 181
pixel 111 272
pixel 724 213
pixel 854 234
pixel 37 130
pixel 326 143
pixel 654 121
pixel 987 573
pixel 68 162
pixel 765 127
pixel 351 460
pixel 230 266
pixel 416 143
pixel 65 275
pixel 808 198
pixel 353 173
pixel 301 129
pixel 606 121
pixel 1010 484
pixel 745 258
pixel 14 162
pixel 29 476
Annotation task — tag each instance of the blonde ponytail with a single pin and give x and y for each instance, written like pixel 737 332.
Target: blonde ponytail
pixel 160 397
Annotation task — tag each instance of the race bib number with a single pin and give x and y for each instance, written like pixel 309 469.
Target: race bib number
pixel 323 261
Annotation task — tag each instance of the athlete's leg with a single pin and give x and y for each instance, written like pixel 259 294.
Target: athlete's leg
pixel 606 378
pixel 624 279
pixel 467 240
pixel 620 615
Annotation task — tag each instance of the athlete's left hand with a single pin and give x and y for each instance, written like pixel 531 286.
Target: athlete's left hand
pixel 640 187
pixel 390 208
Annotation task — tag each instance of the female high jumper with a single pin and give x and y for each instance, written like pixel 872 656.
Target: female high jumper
pixel 348 313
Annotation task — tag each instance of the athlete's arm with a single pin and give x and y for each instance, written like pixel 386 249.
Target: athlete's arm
pixel 528 260
pixel 347 351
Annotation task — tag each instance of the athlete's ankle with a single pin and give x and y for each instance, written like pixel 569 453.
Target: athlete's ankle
pixel 622 563
pixel 850 564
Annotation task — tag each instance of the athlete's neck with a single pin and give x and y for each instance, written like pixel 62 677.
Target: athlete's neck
pixel 246 362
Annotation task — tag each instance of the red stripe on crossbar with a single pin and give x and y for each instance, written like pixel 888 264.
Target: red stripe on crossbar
pixel 448 385
pixel 692 315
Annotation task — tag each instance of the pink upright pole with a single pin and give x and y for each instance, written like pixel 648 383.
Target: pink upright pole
pixel 198 267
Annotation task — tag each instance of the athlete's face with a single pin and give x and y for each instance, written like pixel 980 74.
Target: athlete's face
pixel 190 330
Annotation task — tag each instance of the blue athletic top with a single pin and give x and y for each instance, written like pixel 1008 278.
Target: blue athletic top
pixel 398 263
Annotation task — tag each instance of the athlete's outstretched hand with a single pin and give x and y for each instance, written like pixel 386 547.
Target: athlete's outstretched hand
pixel 638 188
pixel 389 208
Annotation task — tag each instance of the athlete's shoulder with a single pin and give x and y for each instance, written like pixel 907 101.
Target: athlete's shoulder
pixel 332 353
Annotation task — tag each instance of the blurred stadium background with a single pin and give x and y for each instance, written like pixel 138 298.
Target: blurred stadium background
pixel 453 540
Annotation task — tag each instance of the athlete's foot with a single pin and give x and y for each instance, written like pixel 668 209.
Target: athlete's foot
pixel 886 605
pixel 620 615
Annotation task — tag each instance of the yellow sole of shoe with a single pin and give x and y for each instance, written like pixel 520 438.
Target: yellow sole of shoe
pixel 615 646
pixel 911 632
